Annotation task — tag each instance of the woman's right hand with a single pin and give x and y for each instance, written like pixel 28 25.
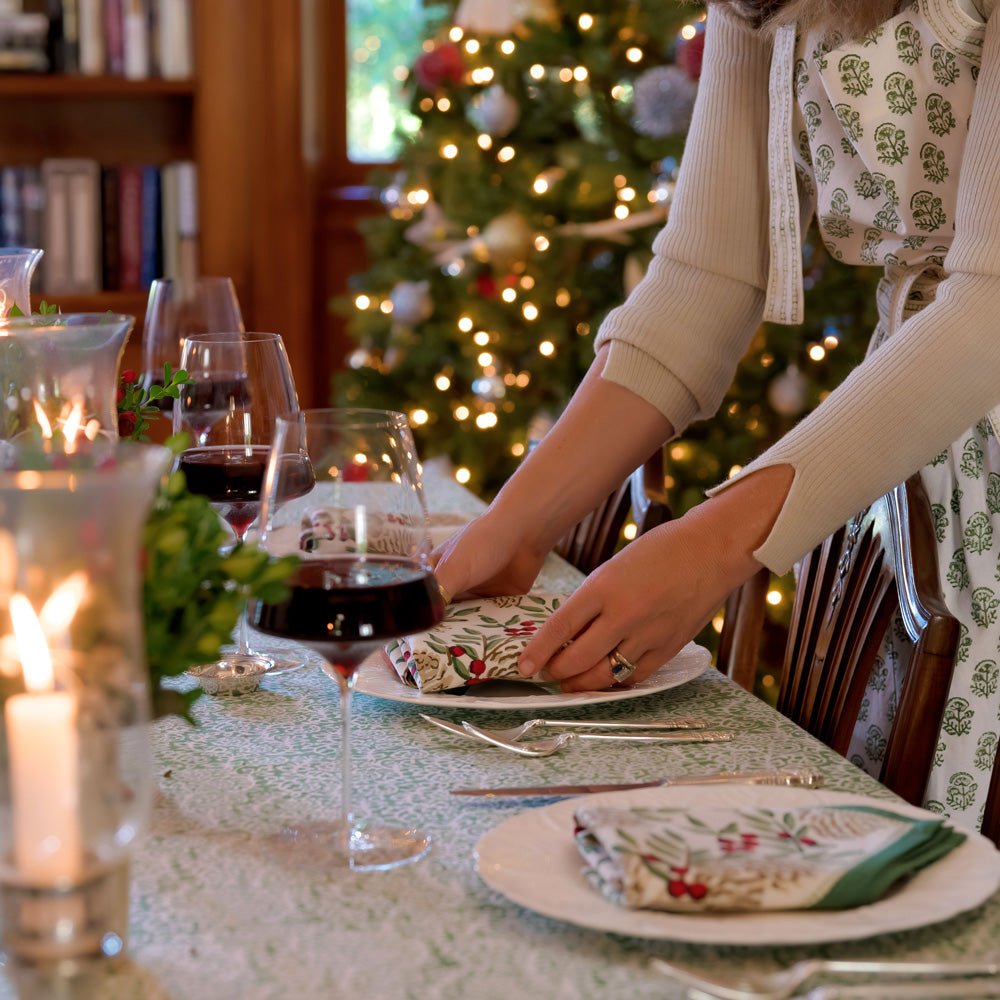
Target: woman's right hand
pixel 486 558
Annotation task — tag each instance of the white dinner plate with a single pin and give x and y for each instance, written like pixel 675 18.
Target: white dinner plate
pixel 376 677
pixel 532 859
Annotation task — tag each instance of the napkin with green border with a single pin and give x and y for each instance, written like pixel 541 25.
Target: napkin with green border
pixel 741 860
pixel 478 640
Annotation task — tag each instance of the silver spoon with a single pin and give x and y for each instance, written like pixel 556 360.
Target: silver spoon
pixel 549 745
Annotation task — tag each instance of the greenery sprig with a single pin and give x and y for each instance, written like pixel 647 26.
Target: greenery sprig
pixel 136 401
pixel 193 590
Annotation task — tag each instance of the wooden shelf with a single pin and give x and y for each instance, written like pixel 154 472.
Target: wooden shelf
pixel 75 86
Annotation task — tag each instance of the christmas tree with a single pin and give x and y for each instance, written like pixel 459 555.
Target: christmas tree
pixel 524 209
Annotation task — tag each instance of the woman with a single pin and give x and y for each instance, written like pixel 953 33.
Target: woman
pixel 881 119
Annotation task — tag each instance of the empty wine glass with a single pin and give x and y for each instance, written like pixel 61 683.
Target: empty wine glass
pixel 240 383
pixel 176 309
pixel 364 578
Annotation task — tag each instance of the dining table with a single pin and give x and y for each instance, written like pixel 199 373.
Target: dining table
pixel 220 910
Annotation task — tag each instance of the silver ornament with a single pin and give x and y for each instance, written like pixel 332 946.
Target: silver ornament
pixel 495 112
pixel 664 100
pixel 411 302
pixel 787 392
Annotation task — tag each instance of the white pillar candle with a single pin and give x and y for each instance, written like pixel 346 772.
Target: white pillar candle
pixel 43 750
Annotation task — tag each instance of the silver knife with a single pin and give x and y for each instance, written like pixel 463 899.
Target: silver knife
pixel 790 778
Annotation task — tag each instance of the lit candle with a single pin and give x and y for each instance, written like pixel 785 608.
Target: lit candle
pixel 43 749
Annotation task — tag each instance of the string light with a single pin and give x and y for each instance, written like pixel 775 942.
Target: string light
pixel 817 352
pixel 362 302
pixel 507 47
pixel 472 46
pixel 830 341
pixel 442 382
pixel 634 54
pixel 717 622
pixel 565 74
pixel 444 104
pixel 449 151
pixel 585 22
pixel 485 359
pixel 530 311
pixel 562 298
pixel 541 184
pixel 426 103
pixel 481 339
pixel 461 412
pixel 418 196
pixel 688 32
pixel 485 141
pixel 629 531
pixel 401 74
pixel 465 323
pixel 486 420
pixel 517 449
pixel 462 475
pixel 523 379
pixel 580 74
pixel 456 34
pixel 774 598
pixel 418 417
pixel 527 282
pixel 506 154
pixel 626 193
pixel 537 71
pixel 618 92
pixel 621 211
pixel 541 243
pixel 546 348
pixel 385 306
pixel 735 471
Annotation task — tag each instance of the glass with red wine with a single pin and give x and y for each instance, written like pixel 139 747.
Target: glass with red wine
pixel 364 578
pixel 240 383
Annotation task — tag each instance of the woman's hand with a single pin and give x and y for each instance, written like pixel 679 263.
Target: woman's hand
pixel 658 592
pixel 487 558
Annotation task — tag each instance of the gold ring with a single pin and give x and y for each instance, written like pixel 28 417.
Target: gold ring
pixel 445 596
pixel 622 668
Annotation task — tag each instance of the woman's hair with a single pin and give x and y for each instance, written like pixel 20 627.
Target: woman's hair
pixel 850 17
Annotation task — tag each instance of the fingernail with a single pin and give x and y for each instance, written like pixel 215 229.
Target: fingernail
pixel 525 667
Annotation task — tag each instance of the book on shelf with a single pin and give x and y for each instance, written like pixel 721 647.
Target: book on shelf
pixel 131 38
pixel 23 41
pixel 72 226
pixel 110 230
pixel 130 226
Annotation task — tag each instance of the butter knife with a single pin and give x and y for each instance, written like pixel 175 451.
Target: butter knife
pixel 790 778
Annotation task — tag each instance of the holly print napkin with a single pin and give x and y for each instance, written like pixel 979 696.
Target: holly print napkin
pixel 717 859
pixel 478 640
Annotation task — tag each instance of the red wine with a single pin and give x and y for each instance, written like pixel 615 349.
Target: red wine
pixel 346 606
pixel 230 476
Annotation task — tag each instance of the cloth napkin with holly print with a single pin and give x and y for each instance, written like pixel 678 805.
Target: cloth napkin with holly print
pixel 716 859
pixel 478 640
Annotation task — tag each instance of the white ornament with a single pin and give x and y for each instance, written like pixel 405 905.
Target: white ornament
pixel 431 229
pixel 501 17
pixel 787 392
pixel 411 302
pixel 495 112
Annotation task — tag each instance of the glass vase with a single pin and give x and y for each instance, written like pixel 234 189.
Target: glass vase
pixel 17 264
pixel 75 766
pixel 60 368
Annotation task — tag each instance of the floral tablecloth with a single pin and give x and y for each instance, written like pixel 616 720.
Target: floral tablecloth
pixel 217 912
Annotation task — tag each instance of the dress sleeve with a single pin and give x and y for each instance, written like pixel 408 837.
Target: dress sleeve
pixel 925 386
pixel 677 340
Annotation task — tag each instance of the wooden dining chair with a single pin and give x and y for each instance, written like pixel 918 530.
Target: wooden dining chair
pixel 847 591
pixel 596 537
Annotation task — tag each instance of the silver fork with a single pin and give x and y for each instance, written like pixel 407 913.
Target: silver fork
pixel 783 984
pixel 553 744
pixel 516 732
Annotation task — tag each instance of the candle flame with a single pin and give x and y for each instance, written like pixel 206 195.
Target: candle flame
pixel 92 429
pixel 36 661
pixel 43 420
pixel 62 605
pixel 3 303
pixel 72 426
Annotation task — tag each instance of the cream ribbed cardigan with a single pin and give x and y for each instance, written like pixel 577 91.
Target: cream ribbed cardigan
pixel 677 340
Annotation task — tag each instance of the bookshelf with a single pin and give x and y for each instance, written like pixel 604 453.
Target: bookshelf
pixel 239 120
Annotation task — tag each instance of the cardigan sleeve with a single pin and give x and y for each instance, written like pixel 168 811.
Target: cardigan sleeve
pixel 677 340
pixel 924 387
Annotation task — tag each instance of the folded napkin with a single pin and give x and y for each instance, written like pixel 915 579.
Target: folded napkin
pixel 478 640
pixel 717 859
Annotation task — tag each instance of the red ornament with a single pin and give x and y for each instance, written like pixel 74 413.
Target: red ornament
pixel 486 286
pixel 442 65
pixel 356 473
pixel 689 55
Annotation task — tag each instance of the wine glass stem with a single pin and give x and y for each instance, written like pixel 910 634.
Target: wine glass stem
pixel 346 815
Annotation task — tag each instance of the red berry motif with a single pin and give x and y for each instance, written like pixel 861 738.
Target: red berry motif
pixel 697 890
pixel 477 666
pixel 676 888
pixel 457 650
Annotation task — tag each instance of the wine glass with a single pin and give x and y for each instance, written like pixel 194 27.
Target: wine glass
pixel 364 578
pixel 240 383
pixel 176 309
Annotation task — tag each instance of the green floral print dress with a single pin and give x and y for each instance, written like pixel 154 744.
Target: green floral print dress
pixel 880 126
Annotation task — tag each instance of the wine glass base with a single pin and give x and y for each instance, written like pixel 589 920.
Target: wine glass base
pixel 372 848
